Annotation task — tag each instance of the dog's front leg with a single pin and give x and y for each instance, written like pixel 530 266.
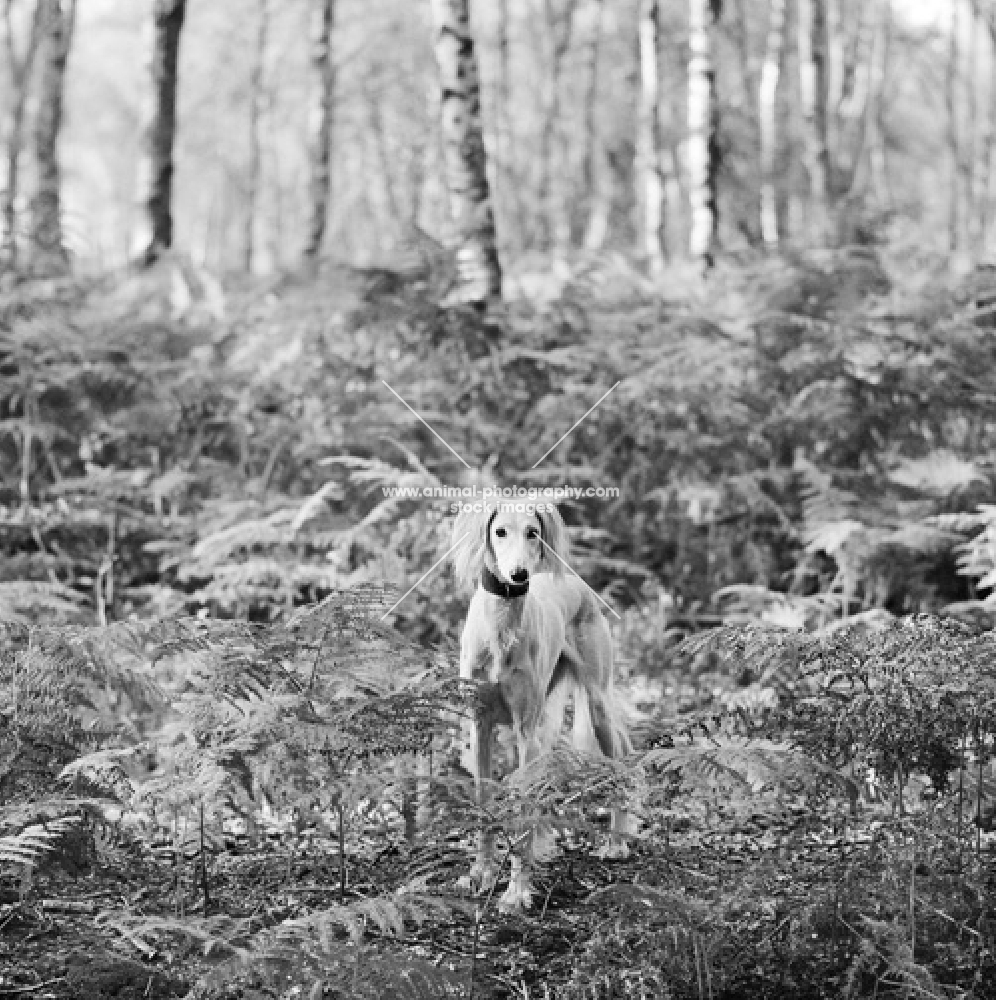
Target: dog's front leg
pixel 477 743
pixel 619 829
pixel 519 894
pixel 484 731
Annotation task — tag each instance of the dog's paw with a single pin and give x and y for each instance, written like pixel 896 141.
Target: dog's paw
pixel 517 897
pixel 480 878
pixel 613 852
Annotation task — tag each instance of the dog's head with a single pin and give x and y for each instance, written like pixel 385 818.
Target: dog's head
pixel 513 544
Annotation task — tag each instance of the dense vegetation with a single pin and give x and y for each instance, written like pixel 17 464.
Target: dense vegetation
pixel 809 450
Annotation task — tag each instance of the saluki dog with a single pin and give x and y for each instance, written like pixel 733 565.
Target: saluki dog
pixel 537 634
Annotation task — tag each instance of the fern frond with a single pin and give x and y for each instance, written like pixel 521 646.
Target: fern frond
pixel 976 555
pixel 315 504
pixel 24 600
pixel 942 473
pixel 567 773
pixel 387 913
pixel 745 602
pixel 244 536
pixel 104 769
pixel 756 763
pixel 34 842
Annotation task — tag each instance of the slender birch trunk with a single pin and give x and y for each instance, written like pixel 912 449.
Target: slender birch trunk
pixel 508 170
pixel 379 137
pixel 836 33
pixel 748 79
pixel 878 158
pixel 501 113
pixel 749 86
pixel 648 142
pixel 673 106
pixel 703 151
pixel 767 108
pixel 504 79
pixel 48 255
pixel 988 134
pixel 950 83
pixel 321 123
pixel 971 128
pixel 559 29
pixel 589 167
pixel 478 270
pixel 813 95
pixel 154 233
pixel 19 74
pixel 254 171
pixel 861 108
pixel 674 193
pixel 849 114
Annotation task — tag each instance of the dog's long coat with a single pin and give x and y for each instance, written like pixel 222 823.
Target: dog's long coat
pixel 537 634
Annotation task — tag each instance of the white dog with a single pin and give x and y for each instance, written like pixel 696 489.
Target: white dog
pixel 537 634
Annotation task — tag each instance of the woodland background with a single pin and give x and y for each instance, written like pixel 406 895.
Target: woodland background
pixel 767 224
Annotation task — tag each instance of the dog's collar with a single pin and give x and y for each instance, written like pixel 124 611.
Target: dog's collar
pixel 500 588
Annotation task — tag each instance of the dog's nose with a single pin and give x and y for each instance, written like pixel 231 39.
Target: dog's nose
pixel 520 576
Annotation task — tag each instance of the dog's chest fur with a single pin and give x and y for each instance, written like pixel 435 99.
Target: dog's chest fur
pixel 503 638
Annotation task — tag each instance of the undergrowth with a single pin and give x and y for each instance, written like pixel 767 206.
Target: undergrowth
pixel 197 644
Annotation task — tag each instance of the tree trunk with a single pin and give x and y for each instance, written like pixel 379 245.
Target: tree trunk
pixel 396 215
pixel 674 109
pixel 950 82
pixel 154 233
pixel 851 118
pixel 968 162
pixel 19 70
pixel 813 96
pixel 322 120
pixel 868 155
pixel 254 171
pixel 877 155
pixel 507 169
pixel 836 36
pixel 767 106
pixel 648 142
pixel 479 274
pixel 748 80
pixel 971 127
pixel 504 80
pixel 703 150
pixel 549 191
pixel 989 132
pixel 749 87
pixel 594 229
pixel 48 255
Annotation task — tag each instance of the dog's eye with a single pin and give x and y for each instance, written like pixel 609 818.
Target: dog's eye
pixel 500 532
pixel 531 533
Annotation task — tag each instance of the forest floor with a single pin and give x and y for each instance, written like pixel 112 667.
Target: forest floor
pixel 233 424
pixel 777 892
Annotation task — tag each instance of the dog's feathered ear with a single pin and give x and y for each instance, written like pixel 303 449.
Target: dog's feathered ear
pixel 470 541
pixel 556 546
